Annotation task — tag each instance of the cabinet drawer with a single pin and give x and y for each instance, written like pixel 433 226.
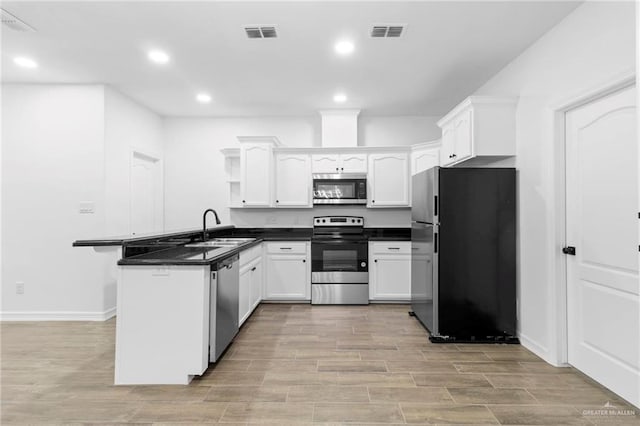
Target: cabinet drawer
pixel 250 254
pixel 391 247
pixel 284 247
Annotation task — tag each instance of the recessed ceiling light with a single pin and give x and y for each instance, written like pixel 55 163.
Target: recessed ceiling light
pixel 339 98
pixel 203 98
pixel 344 47
pixel 158 56
pixel 25 62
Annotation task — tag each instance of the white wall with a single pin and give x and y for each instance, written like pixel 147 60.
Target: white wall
pixel 53 158
pixel 194 167
pixel 128 127
pixel 62 145
pixel 394 131
pixel 303 218
pixel 593 44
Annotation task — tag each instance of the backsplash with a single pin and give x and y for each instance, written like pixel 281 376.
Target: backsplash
pixel 303 218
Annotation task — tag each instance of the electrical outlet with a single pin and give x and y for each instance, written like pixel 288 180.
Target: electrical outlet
pixel 19 287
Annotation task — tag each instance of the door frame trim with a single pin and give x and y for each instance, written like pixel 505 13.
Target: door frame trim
pixel 157 159
pixel 558 217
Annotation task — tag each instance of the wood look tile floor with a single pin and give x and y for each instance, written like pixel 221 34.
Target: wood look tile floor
pixel 294 364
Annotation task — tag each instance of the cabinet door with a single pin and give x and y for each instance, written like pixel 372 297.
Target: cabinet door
pixel 464 137
pixel 424 159
pixel 244 294
pixel 255 180
pixel 388 180
pixel 325 163
pixel 448 148
pixel 353 163
pixel 293 180
pixel 256 283
pixel 286 277
pixel 390 278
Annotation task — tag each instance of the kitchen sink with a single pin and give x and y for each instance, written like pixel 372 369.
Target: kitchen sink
pixel 234 241
pixel 221 242
pixel 208 244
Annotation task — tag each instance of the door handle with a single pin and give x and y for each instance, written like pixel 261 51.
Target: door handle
pixel 569 250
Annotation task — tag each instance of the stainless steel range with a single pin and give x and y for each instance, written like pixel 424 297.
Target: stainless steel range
pixel 339 261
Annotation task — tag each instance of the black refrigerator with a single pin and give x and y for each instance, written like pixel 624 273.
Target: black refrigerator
pixel 463 268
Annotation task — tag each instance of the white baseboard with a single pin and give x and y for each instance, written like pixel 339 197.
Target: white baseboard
pixel 534 347
pixel 58 315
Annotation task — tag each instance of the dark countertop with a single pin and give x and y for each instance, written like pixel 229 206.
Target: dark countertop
pixel 273 234
pixel 186 255
pixel 168 248
pixel 388 234
pixel 124 239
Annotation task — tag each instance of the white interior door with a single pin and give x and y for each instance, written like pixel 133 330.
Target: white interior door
pixel 602 224
pixel 146 190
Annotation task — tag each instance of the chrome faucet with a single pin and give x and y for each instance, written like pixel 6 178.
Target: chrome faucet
pixel 204 222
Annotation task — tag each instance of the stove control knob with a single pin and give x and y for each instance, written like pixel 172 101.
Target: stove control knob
pixel 323 220
pixel 353 220
pixel 363 264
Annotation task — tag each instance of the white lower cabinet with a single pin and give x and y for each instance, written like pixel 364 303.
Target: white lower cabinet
pixel 162 325
pixel 287 271
pixel 250 289
pixel 390 270
pixel 257 272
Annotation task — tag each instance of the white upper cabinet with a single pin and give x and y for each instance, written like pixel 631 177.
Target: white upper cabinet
pixel 255 183
pixel 425 156
pixel 293 180
pixel 388 180
pixel 339 163
pixel 353 163
pixel 325 163
pixel 479 126
pixel 256 171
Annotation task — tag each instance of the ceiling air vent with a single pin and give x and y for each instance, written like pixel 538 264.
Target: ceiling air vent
pixel 14 23
pixel 261 31
pixel 387 31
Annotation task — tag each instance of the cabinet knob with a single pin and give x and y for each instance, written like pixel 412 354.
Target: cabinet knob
pixel 253 269
pixel 375 260
pixel 304 260
pixel 243 201
pixel 454 156
pixel 337 169
pixel 277 201
pixel 341 168
pixel 373 201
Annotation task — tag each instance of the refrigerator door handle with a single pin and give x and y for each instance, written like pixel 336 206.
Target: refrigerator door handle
pixel 435 205
pixel 435 242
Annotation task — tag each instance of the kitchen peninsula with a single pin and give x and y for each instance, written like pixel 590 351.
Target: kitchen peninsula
pixel 169 292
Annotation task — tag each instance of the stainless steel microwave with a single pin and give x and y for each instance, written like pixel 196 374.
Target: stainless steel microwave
pixel 340 188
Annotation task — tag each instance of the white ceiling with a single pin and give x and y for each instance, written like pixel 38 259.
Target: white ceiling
pixel 449 50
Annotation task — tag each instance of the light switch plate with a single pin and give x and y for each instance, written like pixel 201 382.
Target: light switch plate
pixel 86 207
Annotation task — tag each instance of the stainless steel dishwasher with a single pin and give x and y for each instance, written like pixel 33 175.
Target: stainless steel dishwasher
pixel 223 306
